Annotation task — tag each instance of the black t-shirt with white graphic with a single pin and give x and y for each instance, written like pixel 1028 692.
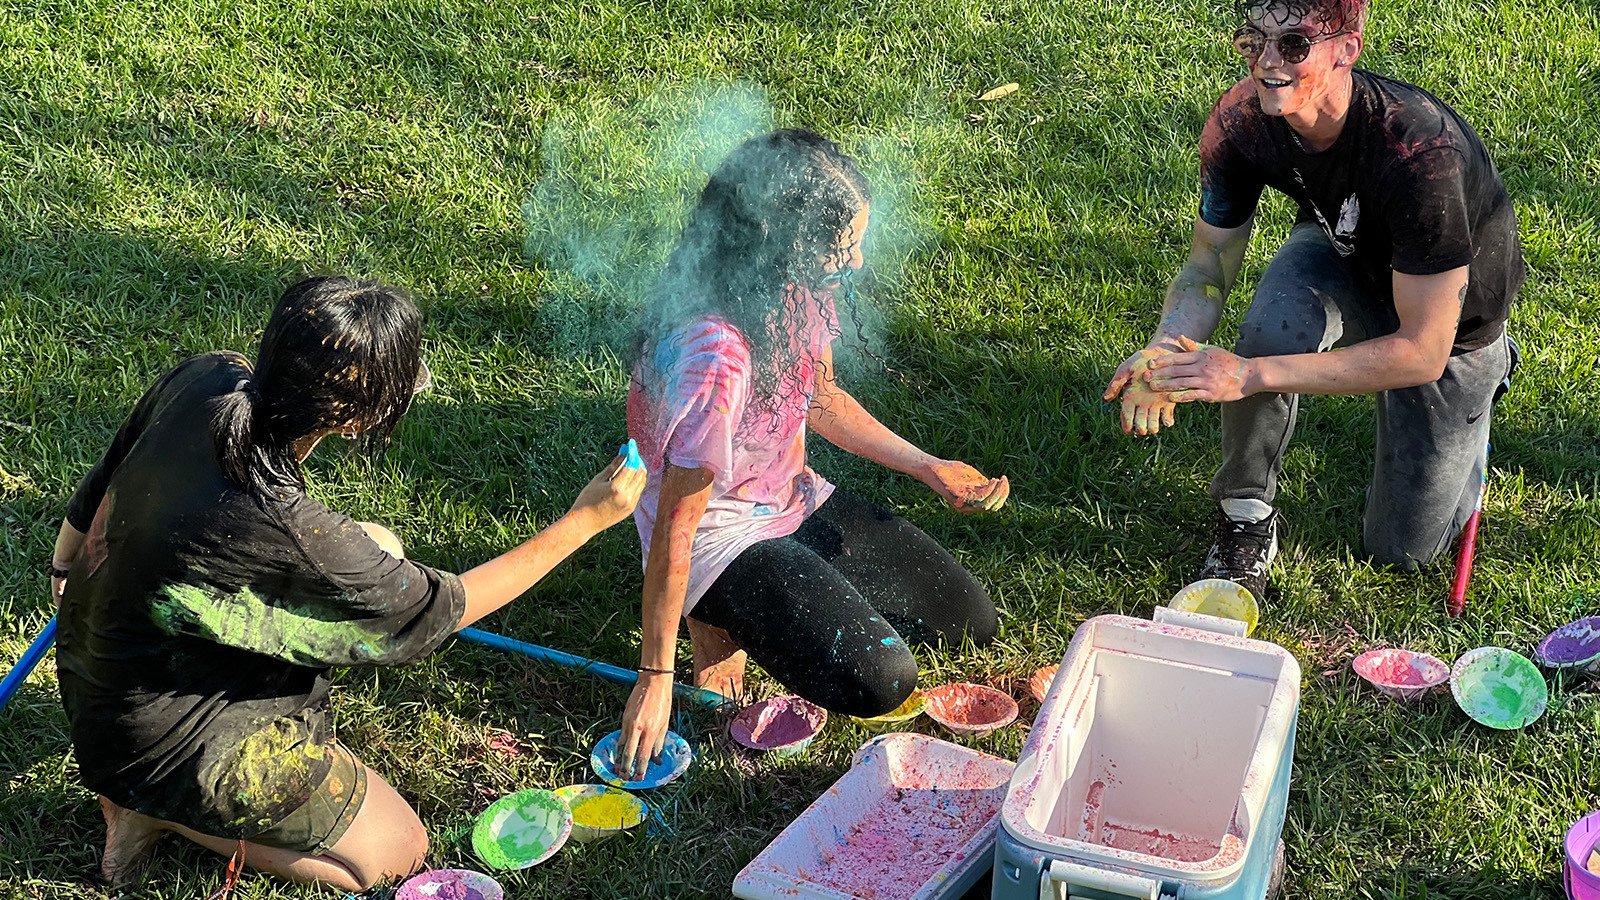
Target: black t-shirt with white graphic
pixel 200 622
pixel 1407 187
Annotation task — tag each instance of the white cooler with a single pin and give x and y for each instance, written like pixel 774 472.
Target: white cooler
pixel 1158 767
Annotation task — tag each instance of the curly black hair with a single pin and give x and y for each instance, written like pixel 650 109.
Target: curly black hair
pixel 762 241
pixel 1334 16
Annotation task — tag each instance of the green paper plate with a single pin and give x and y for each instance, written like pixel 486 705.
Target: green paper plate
pixel 1499 688
pixel 522 829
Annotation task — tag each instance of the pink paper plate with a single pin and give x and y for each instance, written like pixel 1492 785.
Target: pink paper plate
pixel 1402 674
pixel 784 724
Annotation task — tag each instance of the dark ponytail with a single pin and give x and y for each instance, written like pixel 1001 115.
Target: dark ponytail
pixel 232 430
pixel 338 354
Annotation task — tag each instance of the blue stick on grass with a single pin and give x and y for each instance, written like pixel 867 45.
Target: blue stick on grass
pixel 603 671
pixel 615 674
pixel 30 658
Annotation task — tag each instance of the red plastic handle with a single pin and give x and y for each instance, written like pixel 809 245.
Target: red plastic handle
pixel 1464 552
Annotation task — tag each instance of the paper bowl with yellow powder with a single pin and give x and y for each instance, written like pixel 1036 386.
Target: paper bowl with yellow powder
pixel 1221 598
pixel 521 830
pixel 600 811
pixel 905 712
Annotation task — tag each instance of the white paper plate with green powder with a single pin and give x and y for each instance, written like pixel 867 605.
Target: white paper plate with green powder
pixel 522 830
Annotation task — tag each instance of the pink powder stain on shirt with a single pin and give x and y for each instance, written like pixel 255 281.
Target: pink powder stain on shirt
pixel 777 722
pixel 689 405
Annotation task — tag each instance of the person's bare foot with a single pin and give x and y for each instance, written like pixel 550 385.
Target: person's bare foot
pixel 718 662
pixel 129 837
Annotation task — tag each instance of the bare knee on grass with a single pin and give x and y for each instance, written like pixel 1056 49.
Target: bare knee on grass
pixel 386 841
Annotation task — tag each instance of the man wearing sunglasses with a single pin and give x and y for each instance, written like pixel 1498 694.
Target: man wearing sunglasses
pixel 1396 280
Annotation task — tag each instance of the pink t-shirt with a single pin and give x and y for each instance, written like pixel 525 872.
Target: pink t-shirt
pixel 689 405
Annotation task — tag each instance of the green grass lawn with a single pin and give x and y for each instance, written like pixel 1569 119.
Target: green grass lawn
pixel 165 168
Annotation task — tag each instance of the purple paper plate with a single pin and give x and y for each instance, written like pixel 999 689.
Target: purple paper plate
pixel 1572 646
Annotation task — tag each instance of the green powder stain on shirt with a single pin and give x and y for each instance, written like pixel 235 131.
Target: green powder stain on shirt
pixel 294 634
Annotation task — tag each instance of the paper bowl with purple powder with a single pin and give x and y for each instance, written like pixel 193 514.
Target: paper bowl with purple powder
pixel 1575 645
pixel 784 725
pixel 971 709
pixel 450 884
pixel 1402 674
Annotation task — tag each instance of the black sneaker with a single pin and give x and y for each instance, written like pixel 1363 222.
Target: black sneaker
pixel 1242 551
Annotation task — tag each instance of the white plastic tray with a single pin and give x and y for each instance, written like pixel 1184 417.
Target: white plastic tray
pixel 913 819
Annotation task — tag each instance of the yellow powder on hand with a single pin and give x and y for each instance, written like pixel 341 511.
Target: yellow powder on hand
pixel 606 810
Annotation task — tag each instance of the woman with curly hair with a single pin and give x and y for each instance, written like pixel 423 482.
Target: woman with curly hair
pixel 765 558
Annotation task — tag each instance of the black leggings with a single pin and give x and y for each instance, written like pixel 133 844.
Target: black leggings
pixel 828 610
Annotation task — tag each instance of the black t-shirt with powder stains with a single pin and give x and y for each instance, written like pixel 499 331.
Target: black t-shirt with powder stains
pixel 1407 187
pixel 200 623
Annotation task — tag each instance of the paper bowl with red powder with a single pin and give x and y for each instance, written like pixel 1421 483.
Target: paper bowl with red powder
pixel 1402 674
pixel 971 709
pixel 1039 684
pixel 784 725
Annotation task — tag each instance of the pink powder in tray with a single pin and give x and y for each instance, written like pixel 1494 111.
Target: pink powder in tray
pixel 909 819
pixel 901 842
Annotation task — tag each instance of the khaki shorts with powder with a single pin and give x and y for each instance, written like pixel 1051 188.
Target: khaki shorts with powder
pixel 319 822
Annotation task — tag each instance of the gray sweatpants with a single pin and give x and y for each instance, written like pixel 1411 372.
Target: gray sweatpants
pixel 1432 438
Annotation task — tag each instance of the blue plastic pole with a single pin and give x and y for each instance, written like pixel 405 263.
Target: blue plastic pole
pixel 604 671
pixel 30 658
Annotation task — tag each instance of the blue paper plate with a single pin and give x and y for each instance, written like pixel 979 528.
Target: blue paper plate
pixel 674 761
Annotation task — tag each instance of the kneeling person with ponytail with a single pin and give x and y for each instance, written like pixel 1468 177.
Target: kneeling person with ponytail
pixel 205 597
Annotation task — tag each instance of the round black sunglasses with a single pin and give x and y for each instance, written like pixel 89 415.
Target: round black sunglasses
pixel 1293 46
